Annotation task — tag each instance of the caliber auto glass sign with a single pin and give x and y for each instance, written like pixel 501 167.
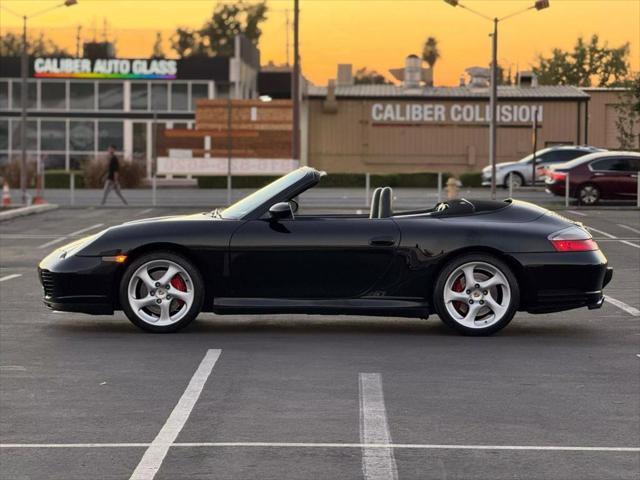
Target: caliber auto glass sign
pixel 114 68
pixel 418 113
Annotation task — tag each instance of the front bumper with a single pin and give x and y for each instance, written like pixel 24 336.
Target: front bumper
pixel 79 284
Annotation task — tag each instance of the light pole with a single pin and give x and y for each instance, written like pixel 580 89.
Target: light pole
pixel 493 107
pixel 24 73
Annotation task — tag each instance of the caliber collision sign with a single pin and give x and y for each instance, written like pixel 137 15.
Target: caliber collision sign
pixel 419 113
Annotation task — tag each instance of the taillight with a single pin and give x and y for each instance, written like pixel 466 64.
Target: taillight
pixel 558 176
pixel 573 239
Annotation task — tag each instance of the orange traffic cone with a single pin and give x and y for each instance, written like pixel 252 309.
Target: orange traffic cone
pixel 37 199
pixel 6 196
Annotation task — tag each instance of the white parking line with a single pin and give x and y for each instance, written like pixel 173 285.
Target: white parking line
pixel 580 214
pixel 628 227
pixel 10 277
pixel 622 306
pixel 65 237
pixel 147 210
pixel 383 446
pixel 377 463
pixel 154 455
pixel 613 237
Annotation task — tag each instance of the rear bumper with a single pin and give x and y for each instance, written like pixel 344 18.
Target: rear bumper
pixel 558 281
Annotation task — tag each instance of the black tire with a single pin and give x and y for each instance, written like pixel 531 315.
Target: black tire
pixel 198 291
pixel 515 174
pixel 588 194
pixel 450 268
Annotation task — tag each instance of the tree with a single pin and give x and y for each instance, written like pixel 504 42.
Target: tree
pixel 430 52
pixel 589 63
pixel 11 46
pixel 628 120
pixel 216 36
pixel 365 76
pixel 158 51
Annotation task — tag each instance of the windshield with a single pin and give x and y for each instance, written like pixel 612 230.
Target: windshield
pixel 257 198
pixel 529 158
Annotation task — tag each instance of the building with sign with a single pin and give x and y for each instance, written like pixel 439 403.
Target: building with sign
pixel 79 106
pixel 418 128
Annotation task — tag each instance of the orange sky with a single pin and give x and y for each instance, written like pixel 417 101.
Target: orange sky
pixel 373 33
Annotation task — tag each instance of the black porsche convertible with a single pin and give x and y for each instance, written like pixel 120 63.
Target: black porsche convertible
pixel 474 263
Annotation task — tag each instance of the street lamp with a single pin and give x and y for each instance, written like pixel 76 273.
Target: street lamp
pixel 538 5
pixel 24 72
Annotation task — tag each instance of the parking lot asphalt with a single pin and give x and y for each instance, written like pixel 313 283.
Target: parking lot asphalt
pixel 554 396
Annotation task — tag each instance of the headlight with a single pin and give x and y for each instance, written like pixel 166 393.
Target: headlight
pixel 74 247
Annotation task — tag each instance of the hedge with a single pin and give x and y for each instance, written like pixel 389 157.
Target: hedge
pixel 62 179
pixel 351 180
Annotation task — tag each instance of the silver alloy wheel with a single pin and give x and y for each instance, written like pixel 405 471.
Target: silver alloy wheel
pixel 477 295
pixel 589 194
pixel 515 178
pixel 160 292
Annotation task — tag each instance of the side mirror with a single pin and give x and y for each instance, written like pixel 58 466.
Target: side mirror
pixel 280 211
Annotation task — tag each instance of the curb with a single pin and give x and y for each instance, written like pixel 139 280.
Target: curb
pixel 23 211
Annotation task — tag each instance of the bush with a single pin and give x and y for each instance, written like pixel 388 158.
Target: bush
pixel 11 173
pixel 62 179
pixel 95 172
pixel 473 179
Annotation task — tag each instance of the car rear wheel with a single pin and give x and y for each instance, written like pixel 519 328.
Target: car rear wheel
pixel 516 178
pixel 588 194
pixel 161 292
pixel 476 294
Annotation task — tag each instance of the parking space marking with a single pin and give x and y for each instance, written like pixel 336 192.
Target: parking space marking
pixel 580 214
pixel 613 237
pixel 10 277
pixel 383 446
pixel 146 210
pixel 377 463
pixel 154 455
pixel 65 237
pixel 622 306
pixel 628 227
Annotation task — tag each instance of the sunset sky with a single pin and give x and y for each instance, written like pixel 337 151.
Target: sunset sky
pixel 377 34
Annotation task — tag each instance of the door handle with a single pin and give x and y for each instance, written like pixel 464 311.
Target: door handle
pixel 382 241
pixel 598 174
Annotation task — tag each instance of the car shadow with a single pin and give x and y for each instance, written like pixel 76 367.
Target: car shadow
pixel 324 325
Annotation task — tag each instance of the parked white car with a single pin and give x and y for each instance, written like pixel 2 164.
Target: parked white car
pixel 520 172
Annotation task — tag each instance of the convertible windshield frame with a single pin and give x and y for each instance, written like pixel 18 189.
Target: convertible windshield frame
pixel 282 189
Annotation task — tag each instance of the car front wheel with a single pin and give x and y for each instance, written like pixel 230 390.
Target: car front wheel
pixel 161 292
pixel 588 194
pixel 476 294
pixel 516 178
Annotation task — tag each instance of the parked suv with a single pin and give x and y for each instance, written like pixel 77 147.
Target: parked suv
pixel 605 175
pixel 520 171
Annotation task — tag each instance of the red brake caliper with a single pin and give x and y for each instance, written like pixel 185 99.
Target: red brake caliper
pixel 457 287
pixel 178 283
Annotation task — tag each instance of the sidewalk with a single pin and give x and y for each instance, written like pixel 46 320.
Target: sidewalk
pixel 405 198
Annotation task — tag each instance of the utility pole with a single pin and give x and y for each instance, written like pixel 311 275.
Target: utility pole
pixel 286 14
pixel 493 107
pixel 24 67
pixel 295 83
pixel 78 30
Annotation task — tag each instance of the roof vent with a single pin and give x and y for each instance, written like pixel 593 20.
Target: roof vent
pixel 527 79
pixel 478 77
pixel 345 74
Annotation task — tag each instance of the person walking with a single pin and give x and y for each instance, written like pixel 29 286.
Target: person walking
pixel 112 181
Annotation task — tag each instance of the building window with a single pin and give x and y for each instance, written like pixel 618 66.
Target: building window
pixel 32 95
pixel 53 161
pixel 139 96
pixel 32 135
pixel 179 96
pixel 110 133
pixel 81 136
pixel 159 96
pixel 110 96
pixel 222 90
pixel 53 95
pixel 82 96
pixel 198 91
pixel 53 135
pixel 4 95
pixel 4 134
